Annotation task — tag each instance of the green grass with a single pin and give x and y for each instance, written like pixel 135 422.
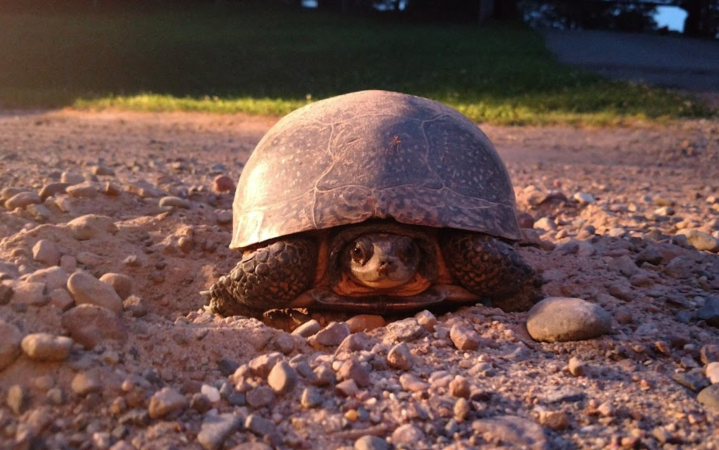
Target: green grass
pixel 270 59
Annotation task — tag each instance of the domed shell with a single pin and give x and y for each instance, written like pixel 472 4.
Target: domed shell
pixel 372 154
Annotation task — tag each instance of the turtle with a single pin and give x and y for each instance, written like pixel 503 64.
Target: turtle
pixel 374 202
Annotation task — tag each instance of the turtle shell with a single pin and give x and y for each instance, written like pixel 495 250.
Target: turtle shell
pixel 372 154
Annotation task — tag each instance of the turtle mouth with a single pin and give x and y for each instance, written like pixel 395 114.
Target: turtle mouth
pixel 379 304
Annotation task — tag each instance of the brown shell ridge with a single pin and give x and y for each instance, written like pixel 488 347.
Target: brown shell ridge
pixel 329 168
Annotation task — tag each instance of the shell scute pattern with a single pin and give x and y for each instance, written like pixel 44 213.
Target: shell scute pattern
pixel 373 154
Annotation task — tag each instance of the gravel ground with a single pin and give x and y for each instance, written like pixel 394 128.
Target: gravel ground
pixel 114 222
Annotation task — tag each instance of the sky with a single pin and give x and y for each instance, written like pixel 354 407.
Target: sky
pixel 671 16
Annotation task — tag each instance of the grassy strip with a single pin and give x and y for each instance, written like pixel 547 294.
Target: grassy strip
pixel 266 59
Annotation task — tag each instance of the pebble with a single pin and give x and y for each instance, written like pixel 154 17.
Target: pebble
pixel 405 330
pixel 263 364
pixel 68 263
pixel 17 398
pixel 211 392
pixel 694 379
pixel 352 369
pixel 61 299
pixel 400 357
pixel 678 268
pixel 576 366
pixel 709 312
pixel 307 329
pixel 709 396
pixel 52 190
pixel 584 198
pixel 86 189
pixel 29 293
pixel 46 252
pixel 459 387
pixel 545 224
pixel 260 396
pixel 71 178
pixel 84 384
pixel 427 320
pixel 53 278
pixel 347 388
pixel 712 372
pixel 365 322
pixel 166 401
pixel 408 435
pixel 323 376
pixel 563 319
pixel 10 340
pixel 120 282
pixel 223 184
pixel 87 289
pixel 464 338
pixel 370 442
pixel 259 425
pixel 223 216
pixel 284 343
pixel 6 293
pixel 355 343
pixel 143 189
pixel 665 211
pixel 103 171
pixel 252 446
pixel 333 334
pixel 216 429
pixel 88 325
pixel 91 226
pixel 46 347
pixel 554 420
pixel 311 397
pixel 175 202
pixel 461 409
pixel 709 353
pixel 282 378
pixel 412 383
pixel 22 200
pixel 512 430
pixel 700 240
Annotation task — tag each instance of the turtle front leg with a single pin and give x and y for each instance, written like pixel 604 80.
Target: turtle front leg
pixel 268 277
pixel 492 269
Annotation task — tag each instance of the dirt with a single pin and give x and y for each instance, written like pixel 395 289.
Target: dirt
pixel 614 202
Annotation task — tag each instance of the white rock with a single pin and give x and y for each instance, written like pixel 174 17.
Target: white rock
pixel 584 198
pixel 712 372
pixel 562 319
pixel 211 392
pixel 700 240
pixel 46 347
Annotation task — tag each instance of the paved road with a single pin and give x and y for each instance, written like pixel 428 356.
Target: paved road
pixel 670 61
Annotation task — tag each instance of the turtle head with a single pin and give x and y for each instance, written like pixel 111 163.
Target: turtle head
pixel 381 260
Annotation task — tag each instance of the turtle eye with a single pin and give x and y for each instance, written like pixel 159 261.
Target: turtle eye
pixel 361 251
pixel 357 253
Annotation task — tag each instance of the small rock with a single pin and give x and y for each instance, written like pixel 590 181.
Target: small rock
pixel 200 403
pixel 307 329
pixel 709 353
pixel 166 401
pixel 712 372
pixel 46 252
pixel 700 240
pixel 407 434
pixel 545 224
pixel 87 289
pixel 46 347
pixel 679 268
pixel 91 226
pixel 84 383
pixel 216 428
pixel 282 378
pixel 512 430
pixel 709 312
pixel 22 200
pixel 584 198
pixel 563 319
pixel 175 202
pixel 369 442
pixel 52 277
pixel 664 211
pixel 347 388
pixel 400 357
pixel 121 283
pixel 260 396
pixel 29 293
pixel 461 409
pixel 405 330
pixel 354 370
pixel 356 343
pixel 86 189
pixel 427 320
pixel 71 178
pixel 211 392
pixel 694 379
pixel 333 334
pixel 554 420
pixel 10 339
pixel 223 184
pixel 17 398
pixel 260 426
pixel 263 364
pixel 311 397
pixel 365 322
pixel 52 189
pixel 61 299
pixel 709 396
pixel 6 293
pixel 89 325
pixel 576 366
pixel 464 338
pixel 412 383
pixel 460 387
